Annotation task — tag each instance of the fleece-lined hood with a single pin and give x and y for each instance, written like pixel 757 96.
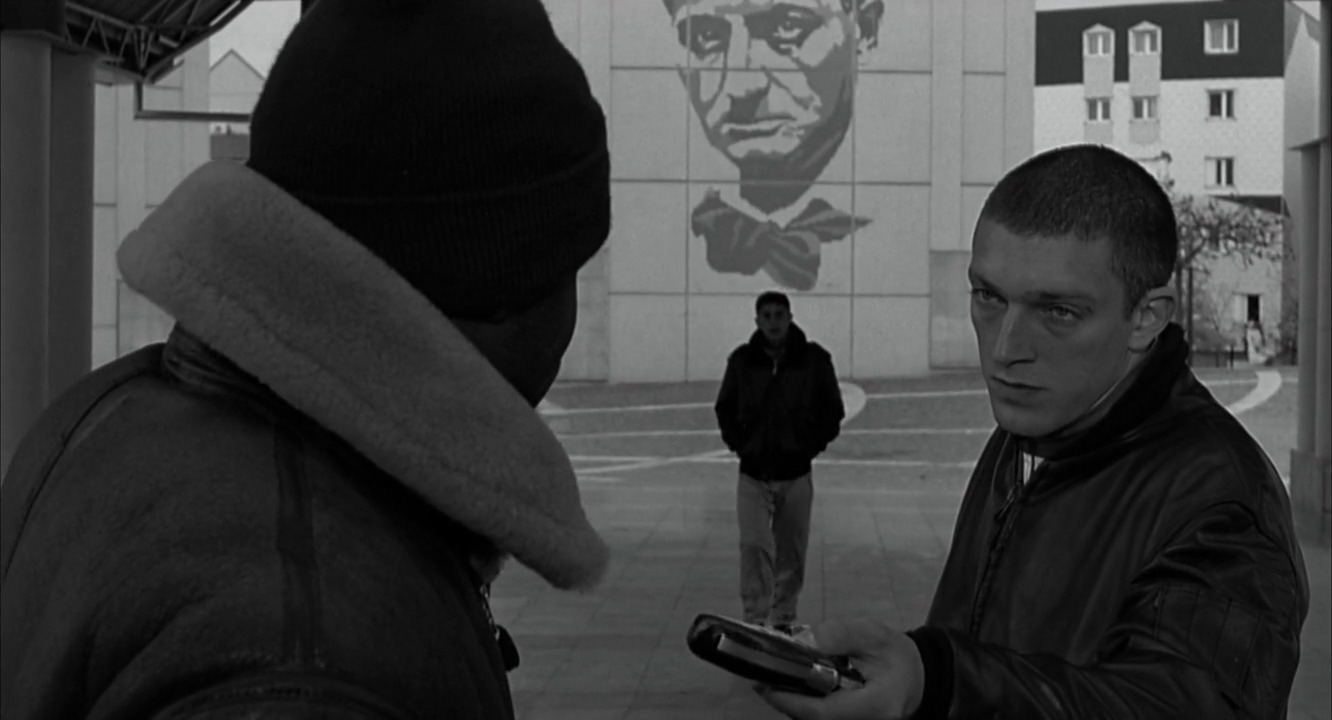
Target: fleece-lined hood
pixel 336 333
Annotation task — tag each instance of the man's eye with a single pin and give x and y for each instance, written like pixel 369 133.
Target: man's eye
pixel 983 296
pixel 1063 314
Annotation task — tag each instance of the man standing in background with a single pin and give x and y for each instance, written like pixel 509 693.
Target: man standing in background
pixel 778 408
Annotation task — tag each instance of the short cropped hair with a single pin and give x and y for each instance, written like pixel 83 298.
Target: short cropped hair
pixel 1093 192
pixel 772 297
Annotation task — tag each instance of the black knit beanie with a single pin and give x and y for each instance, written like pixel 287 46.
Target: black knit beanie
pixel 458 140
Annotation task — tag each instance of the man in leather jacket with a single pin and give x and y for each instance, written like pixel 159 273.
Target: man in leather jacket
pixel 294 507
pixel 1125 548
pixel 778 407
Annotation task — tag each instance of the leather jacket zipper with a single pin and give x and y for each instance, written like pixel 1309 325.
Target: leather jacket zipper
pixel 1006 519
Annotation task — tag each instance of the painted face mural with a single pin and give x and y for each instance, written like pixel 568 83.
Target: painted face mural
pixel 773 85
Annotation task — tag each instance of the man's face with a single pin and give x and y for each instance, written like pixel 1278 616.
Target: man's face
pixel 1050 324
pixel 773 321
pixel 764 74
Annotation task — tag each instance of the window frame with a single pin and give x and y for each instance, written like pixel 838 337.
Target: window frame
pixel 1099 31
pixel 1225 49
pixel 1212 165
pixel 1148 29
pixel 1102 101
pixel 1152 101
pixel 1227 96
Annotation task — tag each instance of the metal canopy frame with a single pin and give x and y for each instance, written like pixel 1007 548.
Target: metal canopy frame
pixel 147 47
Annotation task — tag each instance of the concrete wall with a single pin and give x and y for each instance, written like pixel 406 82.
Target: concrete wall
pixel 137 164
pixel 937 105
pixel 940 108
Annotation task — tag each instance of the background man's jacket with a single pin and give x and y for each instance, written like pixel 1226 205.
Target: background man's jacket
pixel 778 415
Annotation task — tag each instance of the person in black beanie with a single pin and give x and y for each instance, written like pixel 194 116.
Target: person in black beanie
pixel 295 505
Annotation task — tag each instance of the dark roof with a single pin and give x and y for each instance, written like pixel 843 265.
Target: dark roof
pixel 1262 39
pixel 140 39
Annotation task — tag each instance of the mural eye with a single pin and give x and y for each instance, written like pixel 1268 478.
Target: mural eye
pixel 705 35
pixel 785 29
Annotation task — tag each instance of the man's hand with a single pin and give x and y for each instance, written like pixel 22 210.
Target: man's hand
pixel 890 662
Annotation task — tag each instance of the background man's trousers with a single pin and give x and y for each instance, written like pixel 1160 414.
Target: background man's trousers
pixel 774 534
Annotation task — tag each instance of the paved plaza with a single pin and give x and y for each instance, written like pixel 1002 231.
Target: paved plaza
pixel 661 489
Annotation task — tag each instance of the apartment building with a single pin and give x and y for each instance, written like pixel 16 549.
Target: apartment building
pixel 1205 93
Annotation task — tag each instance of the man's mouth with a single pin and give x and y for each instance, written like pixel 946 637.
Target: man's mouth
pixel 1013 384
pixel 766 127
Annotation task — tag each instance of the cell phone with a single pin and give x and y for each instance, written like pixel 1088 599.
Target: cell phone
pixel 769 656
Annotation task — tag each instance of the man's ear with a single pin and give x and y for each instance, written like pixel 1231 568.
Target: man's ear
pixel 869 15
pixel 1151 317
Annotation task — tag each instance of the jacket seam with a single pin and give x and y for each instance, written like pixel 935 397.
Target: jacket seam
pixel 302 626
pixel 54 455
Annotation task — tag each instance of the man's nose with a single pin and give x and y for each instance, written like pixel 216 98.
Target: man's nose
pixel 1013 341
pixel 747 55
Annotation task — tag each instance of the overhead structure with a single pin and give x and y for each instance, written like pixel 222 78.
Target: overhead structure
pixel 52 52
pixel 138 40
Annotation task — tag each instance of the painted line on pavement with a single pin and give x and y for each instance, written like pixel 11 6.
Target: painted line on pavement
pixel 869 462
pixel 1269 382
pixel 658 462
pixel 713 433
pixel 554 410
pixel 614 458
pixel 853 400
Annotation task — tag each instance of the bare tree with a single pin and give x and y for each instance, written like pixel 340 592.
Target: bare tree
pixel 1212 227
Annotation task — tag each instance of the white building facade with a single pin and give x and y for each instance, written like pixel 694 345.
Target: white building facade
pixel 1198 92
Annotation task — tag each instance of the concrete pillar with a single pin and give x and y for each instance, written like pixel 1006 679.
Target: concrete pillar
pixel 69 324
pixel 1311 460
pixel 25 126
pixel 1323 410
pixel 1306 227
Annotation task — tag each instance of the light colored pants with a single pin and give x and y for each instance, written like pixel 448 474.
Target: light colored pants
pixel 774 534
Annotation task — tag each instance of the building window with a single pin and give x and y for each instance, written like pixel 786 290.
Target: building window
pixel 1144 107
pixel 1221 37
pixel 1099 41
pixel 1098 109
pixel 1220 172
pixel 1246 308
pixel 1145 40
pixel 1221 104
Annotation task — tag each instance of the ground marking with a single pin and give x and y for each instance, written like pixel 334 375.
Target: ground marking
pixel 556 411
pixel 1269 382
pixel 713 433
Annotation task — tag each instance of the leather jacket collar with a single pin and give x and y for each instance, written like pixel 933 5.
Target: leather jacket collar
pixel 1163 373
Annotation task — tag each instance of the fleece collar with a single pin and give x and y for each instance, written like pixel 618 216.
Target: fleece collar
pixel 337 334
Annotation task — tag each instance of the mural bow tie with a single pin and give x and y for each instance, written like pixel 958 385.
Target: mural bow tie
pixel 739 243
